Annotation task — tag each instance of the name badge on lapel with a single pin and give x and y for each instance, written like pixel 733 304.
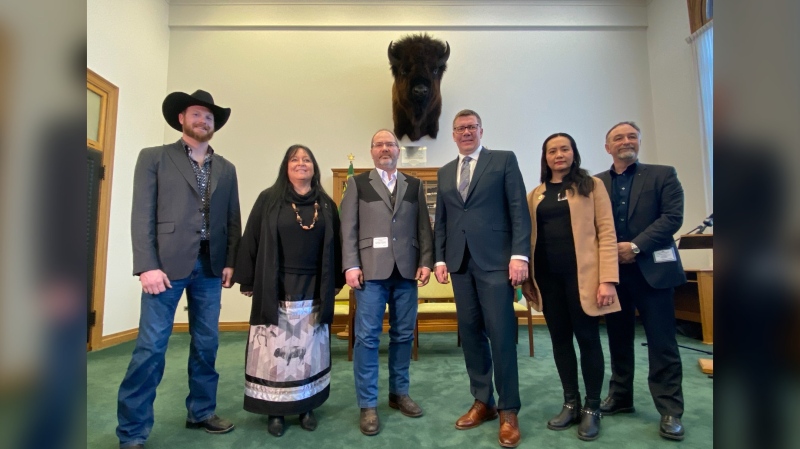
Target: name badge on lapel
pixel 664 255
pixel 380 242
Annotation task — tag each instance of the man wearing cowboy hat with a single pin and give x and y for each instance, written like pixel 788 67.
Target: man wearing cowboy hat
pixel 185 228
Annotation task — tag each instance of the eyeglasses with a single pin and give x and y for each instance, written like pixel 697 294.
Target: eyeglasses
pixel 384 144
pixel 462 129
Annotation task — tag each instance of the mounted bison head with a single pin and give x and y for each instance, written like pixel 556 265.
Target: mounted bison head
pixel 418 63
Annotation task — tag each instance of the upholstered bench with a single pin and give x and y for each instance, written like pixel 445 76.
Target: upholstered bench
pixel 436 303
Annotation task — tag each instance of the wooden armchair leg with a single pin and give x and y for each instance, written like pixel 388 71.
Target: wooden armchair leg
pixel 530 330
pixel 351 341
pixel 530 335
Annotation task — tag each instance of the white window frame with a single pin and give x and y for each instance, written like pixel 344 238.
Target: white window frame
pixel 702 43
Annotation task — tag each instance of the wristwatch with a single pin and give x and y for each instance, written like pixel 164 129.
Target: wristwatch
pixel 635 248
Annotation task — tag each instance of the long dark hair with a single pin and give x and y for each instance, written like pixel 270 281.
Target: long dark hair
pixel 577 179
pixel 282 185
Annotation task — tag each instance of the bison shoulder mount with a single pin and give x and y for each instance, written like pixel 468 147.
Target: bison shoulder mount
pixel 418 63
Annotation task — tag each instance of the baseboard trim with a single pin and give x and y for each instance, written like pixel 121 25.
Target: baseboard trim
pixel 230 326
pixel 239 326
pixel 233 326
pixel 537 320
pixel 117 338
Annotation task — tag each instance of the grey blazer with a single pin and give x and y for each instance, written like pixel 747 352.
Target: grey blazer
pixel 367 213
pixel 165 220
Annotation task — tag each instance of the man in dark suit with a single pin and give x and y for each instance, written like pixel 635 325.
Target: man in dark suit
pixel 185 228
pixel 483 238
pixel 387 246
pixel 648 211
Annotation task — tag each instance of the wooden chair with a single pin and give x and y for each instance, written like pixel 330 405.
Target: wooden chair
pixel 447 311
pixel 436 303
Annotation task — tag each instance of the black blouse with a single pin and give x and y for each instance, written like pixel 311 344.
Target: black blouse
pixel 300 249
pixel 555 246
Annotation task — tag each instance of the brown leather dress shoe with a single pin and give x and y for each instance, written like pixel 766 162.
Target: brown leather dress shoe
pixel 477 414
pixel 509 429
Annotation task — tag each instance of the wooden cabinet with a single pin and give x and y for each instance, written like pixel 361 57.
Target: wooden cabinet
pixel 694 301
pixel 426 174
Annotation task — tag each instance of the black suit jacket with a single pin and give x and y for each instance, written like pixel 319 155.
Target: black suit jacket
pixel 655 214
pixel 165 222
pixel 494 220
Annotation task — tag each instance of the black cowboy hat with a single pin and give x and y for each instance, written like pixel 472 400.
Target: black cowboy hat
pixel 177 102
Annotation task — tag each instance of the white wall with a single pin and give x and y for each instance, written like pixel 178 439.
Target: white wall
pixel 677 135
pixel 330 89
pixel 318 75
pixel 128 44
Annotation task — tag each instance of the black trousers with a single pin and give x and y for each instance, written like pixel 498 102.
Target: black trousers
pixel 657 311
pixel 488 328
pixel 565 318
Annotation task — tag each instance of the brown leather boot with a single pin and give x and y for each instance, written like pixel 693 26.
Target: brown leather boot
pixel 369 423
pixel 477 414
pixel 509 429
pixel 405 404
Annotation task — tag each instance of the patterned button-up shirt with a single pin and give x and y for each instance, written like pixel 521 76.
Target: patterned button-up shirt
pixel 203 175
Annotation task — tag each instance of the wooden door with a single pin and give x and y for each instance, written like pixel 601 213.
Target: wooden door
pixel 101 119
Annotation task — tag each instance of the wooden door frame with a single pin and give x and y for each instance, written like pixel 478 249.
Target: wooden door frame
pixel 109 94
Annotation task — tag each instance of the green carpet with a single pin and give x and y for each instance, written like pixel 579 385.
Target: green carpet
pixel 439 384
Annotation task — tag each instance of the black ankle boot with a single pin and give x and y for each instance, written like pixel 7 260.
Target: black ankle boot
pixel 570 414
pixel 589 429
pixel 308 421
pixel 275 425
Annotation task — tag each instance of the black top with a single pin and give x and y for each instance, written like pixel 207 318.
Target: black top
pixel 620 196
pixel 555 246
pixel 300 249
pixel 258 267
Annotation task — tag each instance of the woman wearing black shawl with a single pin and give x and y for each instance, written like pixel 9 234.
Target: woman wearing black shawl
pixel 289 262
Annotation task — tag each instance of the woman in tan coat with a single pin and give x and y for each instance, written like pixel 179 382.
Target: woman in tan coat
pixel 574 273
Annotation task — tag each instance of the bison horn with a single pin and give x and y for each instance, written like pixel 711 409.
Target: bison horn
pixel 392 58
pixel 443 60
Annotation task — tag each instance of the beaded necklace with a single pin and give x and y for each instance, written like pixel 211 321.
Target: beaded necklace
pixel 313 220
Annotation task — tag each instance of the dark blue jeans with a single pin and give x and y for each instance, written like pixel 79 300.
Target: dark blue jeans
pixel 138 390
pixel 401 295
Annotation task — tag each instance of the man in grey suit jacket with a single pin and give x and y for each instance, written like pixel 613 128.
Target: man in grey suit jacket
pixel 387 246
pixel 648 211
pixel 185 228
pixel 483 238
